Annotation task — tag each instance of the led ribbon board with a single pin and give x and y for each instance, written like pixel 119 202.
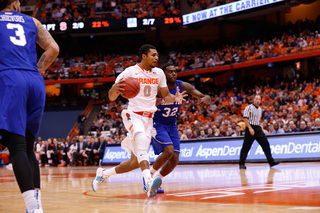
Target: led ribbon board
pixel 285 147
pixel 225 9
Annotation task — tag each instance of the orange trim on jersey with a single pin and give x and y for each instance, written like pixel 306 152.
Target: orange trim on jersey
pixel 130 127
pixel 145 114
pixel 143 69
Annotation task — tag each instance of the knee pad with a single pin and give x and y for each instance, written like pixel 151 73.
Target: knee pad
pixel 142 155
pixel 142 143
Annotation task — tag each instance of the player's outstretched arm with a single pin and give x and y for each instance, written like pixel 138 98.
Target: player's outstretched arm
pixel 116 90
pixel 46 42
pixel 169 98
pixel 205 100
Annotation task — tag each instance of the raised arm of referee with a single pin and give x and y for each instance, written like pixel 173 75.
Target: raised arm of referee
pixel 252 115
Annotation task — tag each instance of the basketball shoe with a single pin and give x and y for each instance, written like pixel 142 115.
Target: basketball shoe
pixel 160 190
pixel 98 179
pixel 144 185
pixel 152 185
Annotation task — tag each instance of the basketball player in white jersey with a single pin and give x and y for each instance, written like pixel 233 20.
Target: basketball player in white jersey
pixel 138 118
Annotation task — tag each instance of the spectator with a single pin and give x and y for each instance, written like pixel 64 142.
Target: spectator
pixel 293 127
pixel 64 153
pixel 286 129
pixel 202 134
pixel 184 135
pixel 43 153
pixel 276 130
pixel 72 151
pixel 210 133
pixel 237 132
pixel 81 121
pixel 304 127
pixel 101 147
pixel 89 151
pixel 316 126
pixel 80 154
pixel 217 133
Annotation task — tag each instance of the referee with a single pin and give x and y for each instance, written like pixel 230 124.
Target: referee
pixel 252 114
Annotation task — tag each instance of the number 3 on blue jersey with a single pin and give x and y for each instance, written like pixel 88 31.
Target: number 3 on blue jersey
pixel 21 40
pixel 170 112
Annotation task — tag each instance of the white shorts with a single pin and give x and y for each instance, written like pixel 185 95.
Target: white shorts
pixel 135 123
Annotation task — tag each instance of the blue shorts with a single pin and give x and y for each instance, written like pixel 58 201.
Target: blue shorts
pixel 166 135
pixel 22 101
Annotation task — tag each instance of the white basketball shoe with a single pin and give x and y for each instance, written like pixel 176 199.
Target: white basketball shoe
pixel 160 190
pixel 152 185
pixel 98 179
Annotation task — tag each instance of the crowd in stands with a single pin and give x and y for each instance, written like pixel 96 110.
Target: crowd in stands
pixel 295 38
pixel 64 10
pixel 98 65
pixel 288 106
pixel 89 66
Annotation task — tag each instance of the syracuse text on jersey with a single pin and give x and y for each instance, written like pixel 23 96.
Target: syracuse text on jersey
pixel 8 17
pixel 148 80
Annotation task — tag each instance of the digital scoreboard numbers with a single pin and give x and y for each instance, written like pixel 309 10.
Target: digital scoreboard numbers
pixel 173 20
pixel 167 21
pixel 123 24
pixel 100 24
pixel 148 21
pixel 77 25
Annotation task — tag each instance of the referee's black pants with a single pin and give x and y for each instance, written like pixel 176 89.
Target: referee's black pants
pixel 248 141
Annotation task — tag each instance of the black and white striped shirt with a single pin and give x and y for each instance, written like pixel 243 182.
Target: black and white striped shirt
pixel 253 114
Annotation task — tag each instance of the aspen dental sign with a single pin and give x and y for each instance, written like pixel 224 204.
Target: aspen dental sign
pixel 286 147
pixel 225 9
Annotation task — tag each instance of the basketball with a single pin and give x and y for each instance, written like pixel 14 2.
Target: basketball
pixel 131 86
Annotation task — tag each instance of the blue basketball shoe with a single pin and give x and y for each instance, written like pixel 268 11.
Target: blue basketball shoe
pixel 160 190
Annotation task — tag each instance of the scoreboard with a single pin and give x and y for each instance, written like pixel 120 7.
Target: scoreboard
pixel 128 23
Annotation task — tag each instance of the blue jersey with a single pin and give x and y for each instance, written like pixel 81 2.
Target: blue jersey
pixel 168 112
pixel 18 37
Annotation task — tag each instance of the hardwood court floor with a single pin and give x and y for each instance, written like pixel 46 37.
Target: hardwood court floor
pixel 289 187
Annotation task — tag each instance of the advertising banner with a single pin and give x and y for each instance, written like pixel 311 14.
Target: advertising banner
pixel 288 147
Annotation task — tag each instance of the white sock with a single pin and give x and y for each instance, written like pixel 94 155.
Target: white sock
pixel 37 194
pixel 109 172
pixel 30 200
pixel 146 174
pixel 153 171
pixel 158 175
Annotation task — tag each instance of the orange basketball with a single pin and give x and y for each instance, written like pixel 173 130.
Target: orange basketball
pixel 131 87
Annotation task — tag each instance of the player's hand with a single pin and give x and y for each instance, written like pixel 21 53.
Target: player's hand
pixel 159 101
pixel 118 87
pixel 179 97
pixel 251 131
pixel 205 101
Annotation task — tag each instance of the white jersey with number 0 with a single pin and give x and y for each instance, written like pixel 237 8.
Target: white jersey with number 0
pixel 149 81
